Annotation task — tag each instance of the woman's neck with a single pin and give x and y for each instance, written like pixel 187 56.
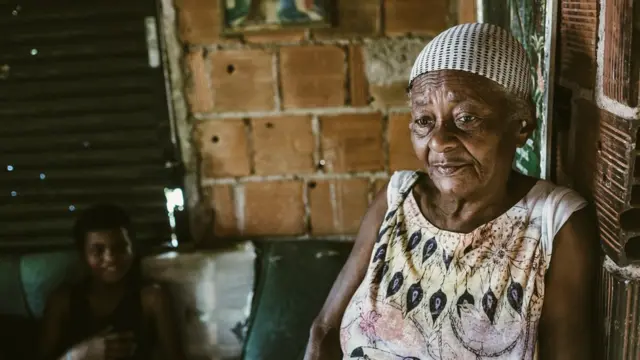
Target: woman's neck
pixel 465 213
pixel 107 289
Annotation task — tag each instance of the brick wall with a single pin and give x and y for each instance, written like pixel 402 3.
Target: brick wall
pixel 295 130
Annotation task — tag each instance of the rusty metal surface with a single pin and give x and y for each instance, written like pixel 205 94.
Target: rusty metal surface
pixel 620 295
pixel 577 41
pixel 620 69
pixel 603 166
pixel 83 119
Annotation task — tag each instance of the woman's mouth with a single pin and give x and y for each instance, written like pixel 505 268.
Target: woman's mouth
pixel 110 269
pixel 448 169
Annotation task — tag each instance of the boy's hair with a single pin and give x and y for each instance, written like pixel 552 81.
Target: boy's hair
pixel 97 218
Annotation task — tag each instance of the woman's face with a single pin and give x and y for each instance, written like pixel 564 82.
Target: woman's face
pixel 462 131
pixel 109 254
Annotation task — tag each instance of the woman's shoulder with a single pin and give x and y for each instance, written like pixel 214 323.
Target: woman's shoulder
pixel 399 184
pixel 556 204
pixel 558 194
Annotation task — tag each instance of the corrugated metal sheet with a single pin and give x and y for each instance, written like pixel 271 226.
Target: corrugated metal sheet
pixel 83 119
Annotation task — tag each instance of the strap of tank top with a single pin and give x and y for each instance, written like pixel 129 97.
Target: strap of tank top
pixel 400 186
pixel 560 204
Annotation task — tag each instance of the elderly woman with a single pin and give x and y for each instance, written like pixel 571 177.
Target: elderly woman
pixel 466 259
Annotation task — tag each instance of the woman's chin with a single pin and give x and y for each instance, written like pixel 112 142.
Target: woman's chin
pixel 452 185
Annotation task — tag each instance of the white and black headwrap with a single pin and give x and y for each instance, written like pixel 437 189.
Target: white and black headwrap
pixel 484 49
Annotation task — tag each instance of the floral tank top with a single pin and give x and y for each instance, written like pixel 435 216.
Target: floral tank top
pixel 436 294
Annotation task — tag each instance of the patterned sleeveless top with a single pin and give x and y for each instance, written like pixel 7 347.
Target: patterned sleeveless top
pixel 436 294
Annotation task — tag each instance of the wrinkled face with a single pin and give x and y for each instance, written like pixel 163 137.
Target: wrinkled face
pixel 109 254
pixel 462 131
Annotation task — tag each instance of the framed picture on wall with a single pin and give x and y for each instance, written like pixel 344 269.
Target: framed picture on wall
pixel 242 16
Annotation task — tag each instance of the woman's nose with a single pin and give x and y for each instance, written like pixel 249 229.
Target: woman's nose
pixel 108 256
pixel 442 138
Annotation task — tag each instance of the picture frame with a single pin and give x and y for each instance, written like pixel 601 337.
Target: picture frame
pixel 250 16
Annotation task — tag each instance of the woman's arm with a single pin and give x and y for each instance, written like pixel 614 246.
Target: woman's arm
pixel 324 331
pixel 55 313
pixel 158 301
pixel 569 323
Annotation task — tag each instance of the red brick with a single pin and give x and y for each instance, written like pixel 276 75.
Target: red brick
pixel 401 153
pixel 283 145
pixel 198 89
pixel 354 18
pixel 222 201
pixel 274 208
pixel 242 80
pixel 199 21
pixel 223 148
pixel 312 76
pixel 420 17
pixel 391 95
pixel 378 185
pixel 279 36
pixel 352 142
pixel 467 12
pixel 577 41
pixel 621 48
pixel 337 206
pixel 358 84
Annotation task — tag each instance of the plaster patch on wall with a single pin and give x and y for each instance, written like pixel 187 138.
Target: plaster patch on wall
pixel 629 273
pixel 390 61
pixel 172 53
pixel 602 100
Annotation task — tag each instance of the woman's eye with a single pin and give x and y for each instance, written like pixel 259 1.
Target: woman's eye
pixel 423 121
pixel 466 119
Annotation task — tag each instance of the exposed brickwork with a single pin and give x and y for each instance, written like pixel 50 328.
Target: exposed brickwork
pixel 199 21
pixel 378 185
pixel 401 153
pixel 242 80
pixel 312 76
pixel 577 41
pixel 467 11
pixel 603 167
pixel 418 17
pixel 621 51
pixel 283 145
pixel 198 89
pixel 352 142
pixel 387 96
pixel 358 83
pixel 285 36
pixel 274 208
pixel 273 112
pixel 222 200
pixel 354 18
pixel 223 148
pixel 619 296
pixel 337 206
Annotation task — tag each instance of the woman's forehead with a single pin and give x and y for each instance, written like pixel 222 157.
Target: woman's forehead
pixel 107 236
pixel 455 86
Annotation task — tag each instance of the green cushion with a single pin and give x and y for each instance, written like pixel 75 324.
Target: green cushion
pixel 43 272
pixel 294 279
pixel 12 301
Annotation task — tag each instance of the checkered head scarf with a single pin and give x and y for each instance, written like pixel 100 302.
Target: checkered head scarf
pixel 479 48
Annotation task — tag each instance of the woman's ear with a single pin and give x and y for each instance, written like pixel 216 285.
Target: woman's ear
pixel 525 130
pixel 526 121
